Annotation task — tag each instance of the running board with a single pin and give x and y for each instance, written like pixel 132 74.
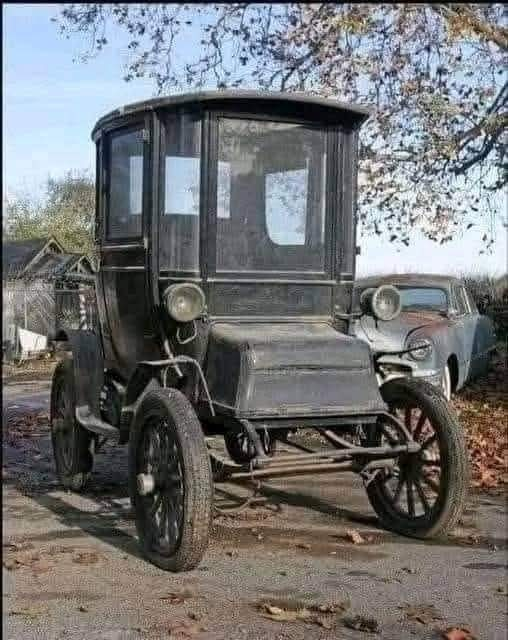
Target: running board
pixel 92 423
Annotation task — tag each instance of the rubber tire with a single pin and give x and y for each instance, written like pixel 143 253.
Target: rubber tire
pixel 76 477
pixel 446 383
pixel 448 507
pixel 197 477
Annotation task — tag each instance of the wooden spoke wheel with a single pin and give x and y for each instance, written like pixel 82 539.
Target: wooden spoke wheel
pixel 170 481
pixel 71 442
pixel 423 495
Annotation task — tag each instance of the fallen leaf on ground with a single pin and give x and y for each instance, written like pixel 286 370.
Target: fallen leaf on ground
pixel 351 535
pixel 410 570
pixel 18 546
pixel 423 613
pixel 326 623
pixel 28 612
pixel 185 629
pixel 483 406
pixel 177 597
pixel 361 623
pixel 303 545
pixel 41 566
pixel 86 557
pixel 336 607
pixel 56 549
pixel 354 536
pixel 285 615
pixel 458 633
pixel 320 614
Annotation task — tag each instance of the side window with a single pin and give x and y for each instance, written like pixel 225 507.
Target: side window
pixel 286 206
pixel 125 184
pixel 180 185
pixel 460 300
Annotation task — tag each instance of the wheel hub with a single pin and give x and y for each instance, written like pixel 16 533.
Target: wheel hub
pixel 145 483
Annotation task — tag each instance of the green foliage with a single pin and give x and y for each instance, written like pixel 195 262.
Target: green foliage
pixel 67 212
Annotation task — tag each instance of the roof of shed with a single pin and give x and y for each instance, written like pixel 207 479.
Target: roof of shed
pixel 18 258
pixel 17 254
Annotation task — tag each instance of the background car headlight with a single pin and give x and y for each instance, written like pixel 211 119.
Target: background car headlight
pixel 423 349
pixel 184 301
pixel 384 302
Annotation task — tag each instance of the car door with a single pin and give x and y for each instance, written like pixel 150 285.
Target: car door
pixel 484 338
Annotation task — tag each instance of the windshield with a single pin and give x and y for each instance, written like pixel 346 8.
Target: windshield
pixel 271 188
pixel 427 298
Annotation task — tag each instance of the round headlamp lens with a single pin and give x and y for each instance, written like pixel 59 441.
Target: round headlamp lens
pixel 386 302
pixel 421 349
pixel 185 301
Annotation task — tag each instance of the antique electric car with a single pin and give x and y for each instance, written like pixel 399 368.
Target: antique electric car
pixel 226 233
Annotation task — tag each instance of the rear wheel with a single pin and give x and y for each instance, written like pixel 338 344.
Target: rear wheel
pixel 423 495
pixel 71 442
pixel 170 481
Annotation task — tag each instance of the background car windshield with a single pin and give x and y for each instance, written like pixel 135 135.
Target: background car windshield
pixel 417 298
pixel 270 196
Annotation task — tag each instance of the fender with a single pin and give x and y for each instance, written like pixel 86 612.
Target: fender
pixel 88 363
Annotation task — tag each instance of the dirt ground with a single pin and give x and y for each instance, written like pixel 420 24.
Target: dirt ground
pixel 72 567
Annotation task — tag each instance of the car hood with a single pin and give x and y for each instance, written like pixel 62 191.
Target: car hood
pixel 392 335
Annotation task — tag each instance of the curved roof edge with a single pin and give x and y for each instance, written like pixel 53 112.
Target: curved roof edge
pixel 355 113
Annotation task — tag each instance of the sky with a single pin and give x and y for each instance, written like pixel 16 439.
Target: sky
pixel 50 104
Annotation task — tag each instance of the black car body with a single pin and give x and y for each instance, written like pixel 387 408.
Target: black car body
pixel 209 189
pixel 226 233
pixel 439 313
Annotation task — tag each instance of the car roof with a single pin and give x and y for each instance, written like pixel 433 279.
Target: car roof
pixel 417 279
pixel 324 108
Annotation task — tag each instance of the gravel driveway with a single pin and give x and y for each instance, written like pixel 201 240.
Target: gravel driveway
pixel 72 568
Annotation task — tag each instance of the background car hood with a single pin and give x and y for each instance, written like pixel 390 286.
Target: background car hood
pixel 392 335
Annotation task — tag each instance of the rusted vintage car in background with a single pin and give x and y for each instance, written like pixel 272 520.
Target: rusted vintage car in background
pixel 438 314
pixel 225 228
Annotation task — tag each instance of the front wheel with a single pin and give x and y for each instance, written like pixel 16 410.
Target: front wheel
pixel 424 494
pixel 170 481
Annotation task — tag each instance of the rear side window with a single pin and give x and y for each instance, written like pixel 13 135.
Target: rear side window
pixel 124 184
